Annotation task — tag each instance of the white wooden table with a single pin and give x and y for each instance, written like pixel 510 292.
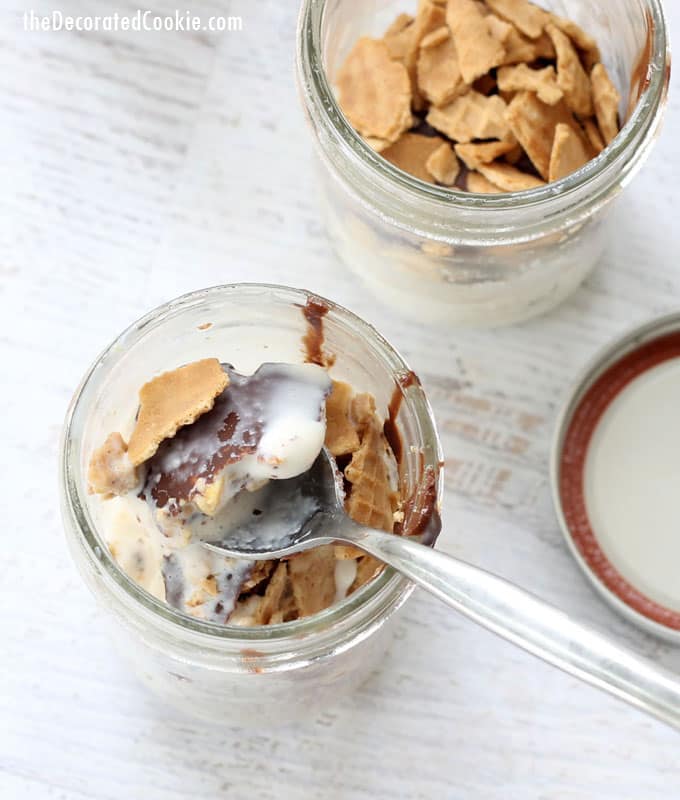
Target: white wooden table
pixel 134 167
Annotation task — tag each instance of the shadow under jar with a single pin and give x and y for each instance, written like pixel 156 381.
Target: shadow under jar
pixel 447 256
pixel 225 673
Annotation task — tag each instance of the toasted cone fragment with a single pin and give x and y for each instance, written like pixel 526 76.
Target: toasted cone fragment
pixel 498 29
pixel 525 16
pixel 347 416
pixel 439 78
pixel 509 178
pixel 398 37
pixel 411 152
pixel 377 144
pixel 367 568
pixel 260 572
pixel 472 116
pixel 606 100
pixel 172 400
pixel 478 51
pixel 343 552
pixel 568 153
pixel 520 50
pixel 363 409
pixel 472 155
pixel 361 414
pixel 516 154
pixel 534 123
pixel 371 497
pixel 342 437
pixel 443 165
pixel 594 136
pixel 209 585
pixel 541 81
pixel 482 78
pixel 429 18
pixel 197 598
pixel 271 601
pixel 208 495
pixel 401 22
pixel 111 471
pixel 544 47
pixel 312 576
pixel 436 37
pixel 374 91
pixel 571 77
pixel 585 43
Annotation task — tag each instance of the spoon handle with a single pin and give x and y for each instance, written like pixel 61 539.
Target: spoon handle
pixel 529 622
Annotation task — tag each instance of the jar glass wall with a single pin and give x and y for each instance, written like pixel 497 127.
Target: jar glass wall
pixel 441 254
pixel 229 674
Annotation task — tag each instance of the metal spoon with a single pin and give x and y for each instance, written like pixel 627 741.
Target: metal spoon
pixel 308 511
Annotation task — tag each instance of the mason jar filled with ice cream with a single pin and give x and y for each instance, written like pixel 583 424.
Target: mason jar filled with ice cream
pixel 470 150
pixel 184 422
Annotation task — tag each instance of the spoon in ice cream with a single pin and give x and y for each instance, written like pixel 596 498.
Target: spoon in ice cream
pixel 307 511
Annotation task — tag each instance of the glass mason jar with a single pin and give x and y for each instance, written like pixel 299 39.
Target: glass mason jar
pixel 221 673
pixel 439 254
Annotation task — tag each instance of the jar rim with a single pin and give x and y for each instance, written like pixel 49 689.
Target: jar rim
pixel 75 508
pixel 315 86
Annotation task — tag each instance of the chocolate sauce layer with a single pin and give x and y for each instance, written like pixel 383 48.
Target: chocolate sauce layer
pixel 390 428
pixel 232 430
pixel 421 517
pixel 314 312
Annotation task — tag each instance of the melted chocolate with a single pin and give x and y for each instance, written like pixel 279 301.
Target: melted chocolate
pixel 421 517
pixel 641 76
pixel 390 428
pixel 231 430
pixel 314 311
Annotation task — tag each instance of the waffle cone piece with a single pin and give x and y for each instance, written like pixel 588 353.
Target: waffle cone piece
pixel 371 501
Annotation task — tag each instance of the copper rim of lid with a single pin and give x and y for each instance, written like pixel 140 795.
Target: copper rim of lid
pixel 627 375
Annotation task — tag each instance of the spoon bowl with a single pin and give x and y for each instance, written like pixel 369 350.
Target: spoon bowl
pixel 292 515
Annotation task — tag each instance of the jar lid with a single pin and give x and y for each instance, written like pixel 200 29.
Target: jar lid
pixel 616 475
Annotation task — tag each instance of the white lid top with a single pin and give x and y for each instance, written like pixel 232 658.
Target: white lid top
pixel 616 475
pixel 632 483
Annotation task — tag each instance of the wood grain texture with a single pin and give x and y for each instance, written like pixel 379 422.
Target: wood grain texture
pixel 139 166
